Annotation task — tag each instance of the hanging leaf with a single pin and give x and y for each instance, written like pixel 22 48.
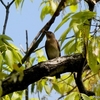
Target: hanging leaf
pixel 5 37
pixel 1 61
pixel 53 6
pixel 40 55
pixel 44 12
pixel 73 8
pixel 47 89
pixel 18 2
pixel 64 34
pixel 71 96
pixel 85 97
pixel 9 58
pixel 64 20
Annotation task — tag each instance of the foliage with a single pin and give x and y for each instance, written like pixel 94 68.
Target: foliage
pixel 79 25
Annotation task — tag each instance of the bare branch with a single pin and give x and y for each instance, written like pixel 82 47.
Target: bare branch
pixel 7 7
pixel 3 3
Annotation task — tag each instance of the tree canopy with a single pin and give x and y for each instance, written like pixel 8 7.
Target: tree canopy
pixel 79 66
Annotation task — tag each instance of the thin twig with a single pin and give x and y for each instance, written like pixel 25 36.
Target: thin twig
pixel 7 7
pixel 3 3
pixel 27 61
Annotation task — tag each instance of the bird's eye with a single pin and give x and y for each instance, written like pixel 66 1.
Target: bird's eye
pixel 50 32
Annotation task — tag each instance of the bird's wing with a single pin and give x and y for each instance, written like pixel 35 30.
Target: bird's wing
pixel 46 47
pixel 58 48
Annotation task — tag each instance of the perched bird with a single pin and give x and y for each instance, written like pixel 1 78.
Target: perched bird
pixel 52 47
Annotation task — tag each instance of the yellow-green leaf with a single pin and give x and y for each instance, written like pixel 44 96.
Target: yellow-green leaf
pixel 9 58
pixel 73 8
pixel 85 97
pixel 1 60
pixel 64 34
pixel 5 37
pixel 47 89
pixel 71 96
pixel 17 3
pixel 64 20
pixel 44 12
pixel 53 6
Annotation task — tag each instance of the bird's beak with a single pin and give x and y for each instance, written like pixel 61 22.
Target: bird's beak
pixel 46 33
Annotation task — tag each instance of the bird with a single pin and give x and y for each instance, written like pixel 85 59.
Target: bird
pixel 52 47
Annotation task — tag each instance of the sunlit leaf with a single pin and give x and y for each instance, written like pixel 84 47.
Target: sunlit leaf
pixel 7 97
pixel 73 8
pixel 41 59
pixel 39 53
pixel 39 86
pixel 20 70
pixel 31 61
pixel 47 89
pixel 5 37
pixel 85 97
pixel 44 12
pixel 17 3
pixel 1 90
pixel 1 61
pixel 64 20
pixel 56 87
pixel 2 75
pixel 17 56
pixel 15 96
pixel 84 15
pixel 9 58
pixel 64 34
pixel 71 96
pixel 53 6
pixel 92 62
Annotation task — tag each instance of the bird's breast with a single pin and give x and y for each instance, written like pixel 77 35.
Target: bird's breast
pixel 52 50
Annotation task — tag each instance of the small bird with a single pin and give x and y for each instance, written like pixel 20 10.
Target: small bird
pixel 52 47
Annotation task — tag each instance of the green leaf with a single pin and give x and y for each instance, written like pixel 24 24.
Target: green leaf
pixel 17 56
pixel 9 58
pixel 1 90
pixel 32 87
pixel 84 15
pixel 85 97
pixel 31 61
pixel 39 85
pixel 71 96
pixel 53 6
pixel 7 97
pixel 1 61
pixel 47 89
pixel 5 37
pixel 70 47
pixel 64 20
pixel 63 36
pixel 17 3
pixel 92 62
pixel 44 12
pixel 40 55
pixel 73 8
pixel 56 87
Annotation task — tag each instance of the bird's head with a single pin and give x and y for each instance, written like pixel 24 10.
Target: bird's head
pixel 49 35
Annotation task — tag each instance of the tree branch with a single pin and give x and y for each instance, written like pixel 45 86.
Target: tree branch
pixel 7 14
pixel 41 34
pixel 48 68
